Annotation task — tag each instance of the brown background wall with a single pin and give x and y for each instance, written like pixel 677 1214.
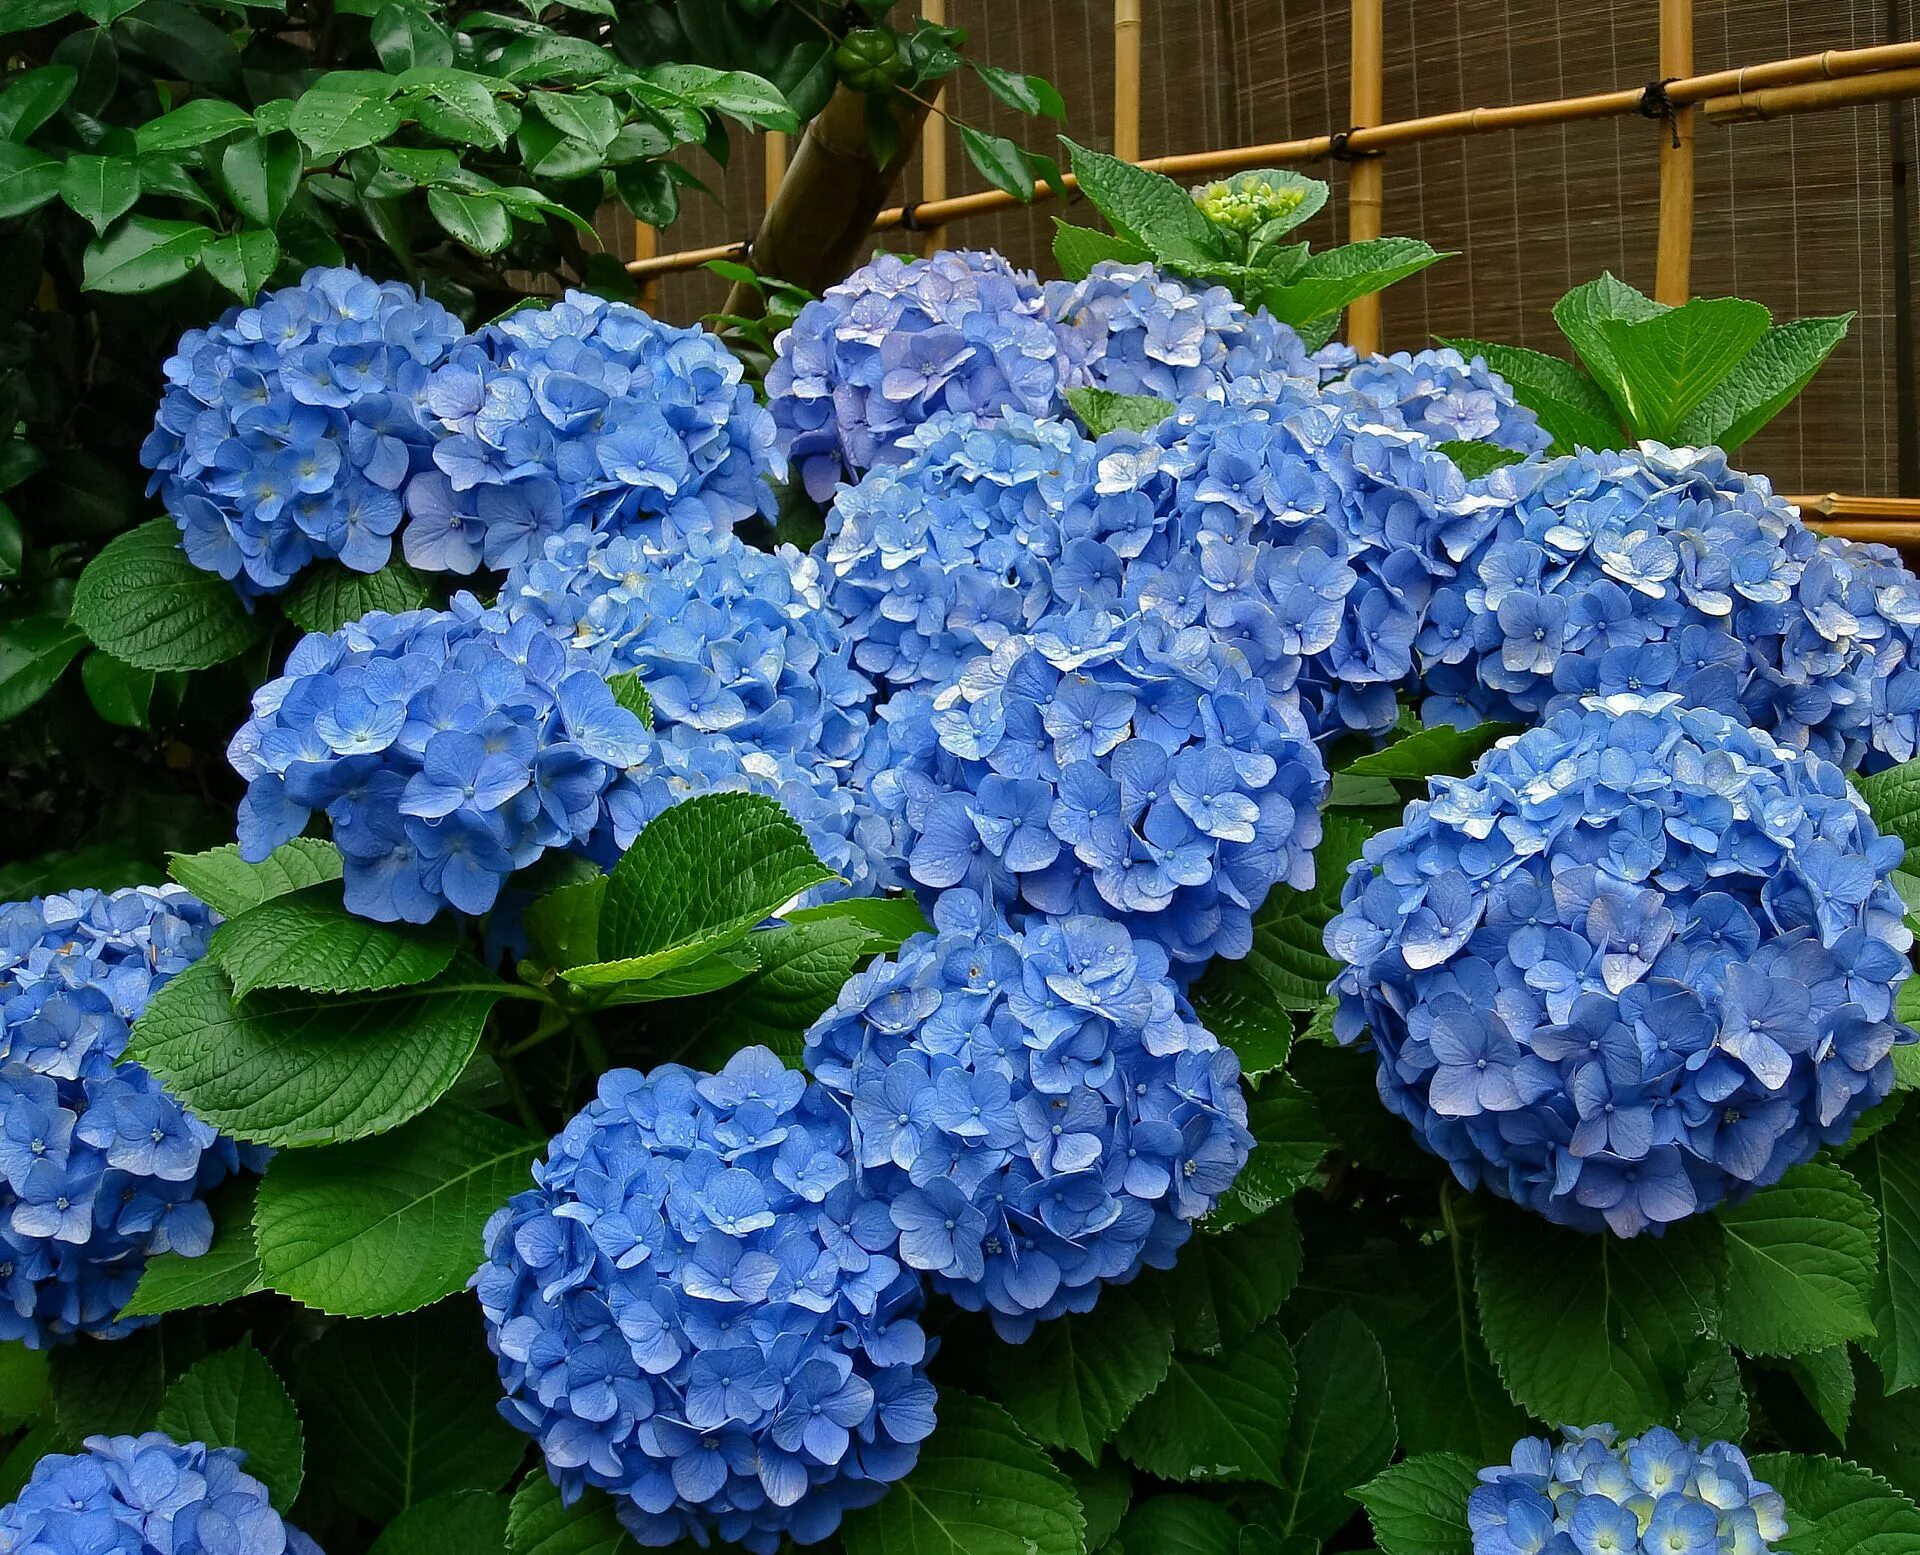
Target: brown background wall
pixel 1795 213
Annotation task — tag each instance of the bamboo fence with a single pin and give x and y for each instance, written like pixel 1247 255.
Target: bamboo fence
pixel 1770 89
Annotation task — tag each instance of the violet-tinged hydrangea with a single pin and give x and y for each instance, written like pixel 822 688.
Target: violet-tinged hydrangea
pixel 726 639
pixel 1134 329
pixel 1658 569
pixel 1037 1109
pixel 1655 1494
pixel 146 1495
pixel 288 430
pixel 587 411
pixel 99 1167
pixel 1118 762
pixel 1450 399
pixel 899 342
pixel 448 748
pixel 695 1309
pixel 1642 961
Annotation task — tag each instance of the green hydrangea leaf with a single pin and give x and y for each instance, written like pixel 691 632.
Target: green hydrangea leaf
pixel 1179 1525
pixel 146 604
pixel 1573 409
pixel 1228 1282
pixel 1801 1263
pixel 306 939
pixel 233 1398
pixel 1839 1508
pixel 1074 1382
pixel 1105 1490
pixel 980 1488
pixel 1342 1431
pixel 385 1225
pixel 1714 1406
pixel 1826 1379
pixel 326 595
pixel 1288 1143
pixel 228 1270
pixel 1078 249
pixel 1666 365
pixel 1442 751
pixel 1888 1167
pixel 1217 1418
pixel 1419 1506
pixel 34 653
pixel 539 1525
pixel 1147 208
pixel 1768 379
pixel 1102 411
pixel 230 885
pixel 461 1522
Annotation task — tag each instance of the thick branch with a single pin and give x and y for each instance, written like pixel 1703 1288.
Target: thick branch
pixel 821 220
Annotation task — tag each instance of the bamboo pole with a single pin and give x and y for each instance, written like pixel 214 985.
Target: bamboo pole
pixel 1126 80
pixel 933 145
pixel 1868 73
pixel 1833 504
pixel 1366 176
pixel 646 244
pixel 1673 270
pixel 1776 101
pixel 775 152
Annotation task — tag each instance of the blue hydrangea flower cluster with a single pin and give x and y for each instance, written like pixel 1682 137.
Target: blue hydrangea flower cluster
pixel 447 747
pixel 696 1310
pixel 1872 585
pixel 147 1495
pixel 1450 399
pixel 1642 961
pixel 1662 569
pixel 288 431
pixel 726 639
pixel 1648 1495
pixel 1133 329
pixel 585 411
pixel 1037 1109
pixel 99 1168
pixel 899 342
pixel 1122 763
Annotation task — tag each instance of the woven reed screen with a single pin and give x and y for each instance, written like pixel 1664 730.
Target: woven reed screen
pixel 1795 213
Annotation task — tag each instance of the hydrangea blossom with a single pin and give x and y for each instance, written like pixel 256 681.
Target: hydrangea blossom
pixel 1248 201
pixel 726 639
pixel 99 1168
pixel 1450 399
pixel 1134 329
pixel 589 411
pixel 899 342
pixel 288 430
pixel 147 1495
pixel 1642 961
pixel 1121 762
pixel 448 748
pixel 1037 1108
pixel 695 1309
pixel 1662 569
pixel 1655 1493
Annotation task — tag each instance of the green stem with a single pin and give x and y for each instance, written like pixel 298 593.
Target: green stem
pixel 590 1043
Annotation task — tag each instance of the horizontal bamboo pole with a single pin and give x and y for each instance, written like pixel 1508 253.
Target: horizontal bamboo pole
pixel 1870 67
pixel 1867 529
pixel 1777 101
pixel 1833 504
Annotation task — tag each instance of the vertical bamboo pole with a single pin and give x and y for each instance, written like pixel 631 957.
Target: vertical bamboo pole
pixel 1126 80
pixel 775 151
pixel 1673 272
pixel 933 143
pixel 1366 177
pixel 646 243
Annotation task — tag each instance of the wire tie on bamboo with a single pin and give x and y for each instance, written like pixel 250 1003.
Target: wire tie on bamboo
pixel 1656 104
pixel 910 217
pixel 1340 146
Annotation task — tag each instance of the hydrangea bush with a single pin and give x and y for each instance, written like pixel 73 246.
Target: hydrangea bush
pixel 884 1014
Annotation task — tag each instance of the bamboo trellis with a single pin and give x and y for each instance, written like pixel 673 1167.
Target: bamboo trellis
pixel 1769 89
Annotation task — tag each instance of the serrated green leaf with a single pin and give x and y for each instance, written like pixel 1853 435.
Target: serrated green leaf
pixel 99 190
pixel 400 1410
pixel 1839 1508
pixel 1179 1525
pixel 1219 1417
pixel 797 972
pixel 1288 1142
pixel 331 123
pixel 1337 276
pixel 1888 1167
pixel 1893 795
pixel 563 927
pixel 1419 1506
pixel 230 885
pixel 111 1389
pixel 699 877
pixel 1581 315
pixel 1147 208
pixel 1477 460
pixel 146 604
pixel 233 1398
pixel 980 1488
pixel 461 1522
pixel 1078 1378
pixel 1669 363
pixel 287 1068
pixel 1714 1405
pixel 33 97
pixel 1593 1328
pixel 28 179
pixel 1102 411
pixel 1801 1261
pixel 1105 1490
pixel 1441 751
pixel 387 1225
pixel 306 939
pixel 1226 1284
pixel 1573 408
pixel 1236 1005
pixel 327 595
pixel 1078 249
pixel 34 653
pixel 1342 1432
pixel 143 254
pixel 631 694
pixel 1767 380
pixel 228 1270
pixel 539 1525
pixel 1826 1379
pixel 25 1385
